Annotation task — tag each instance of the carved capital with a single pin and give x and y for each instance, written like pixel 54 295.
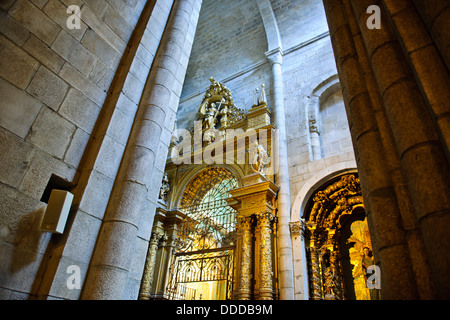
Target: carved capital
pixel 275 56
pixel 265 219
pixel 313 128
pixel 155 238
pixel 296 228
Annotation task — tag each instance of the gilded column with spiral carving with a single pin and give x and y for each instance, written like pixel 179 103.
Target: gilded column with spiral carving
pixel 315 269
pixel 147 279
pixel 245 276
pixel 265 221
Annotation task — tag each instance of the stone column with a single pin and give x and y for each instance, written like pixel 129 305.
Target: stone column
pixel 413 118
pixel 392 108
pixel 427 58
pixel 110 263
pixel 393 162
pixel 298 247
pixel 286 272
pixel 245 250
pixel 388 237
pixel 435 16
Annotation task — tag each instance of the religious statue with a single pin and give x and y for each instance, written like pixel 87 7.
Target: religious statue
pixel 367 261
pixel 224 116
pixel 256 98
pixel 259 98
pixel 331 279
pixel 210 117
pixel 165 187
pixel 217 105
pixel 259 157
pixel 361 257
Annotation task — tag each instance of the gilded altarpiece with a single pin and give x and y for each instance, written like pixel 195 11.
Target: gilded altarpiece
pixel 337 240
pixel 214 235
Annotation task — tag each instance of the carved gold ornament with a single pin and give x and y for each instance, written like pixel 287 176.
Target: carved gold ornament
pixel 331 207
pixel 217 108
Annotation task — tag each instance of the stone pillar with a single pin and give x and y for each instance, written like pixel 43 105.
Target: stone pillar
pixel 412 116
pixel 298 247
pixel 426 58
pixel 286 272
pixel 435 15
pixel 388 98
pixel 388 237
pixel 109 266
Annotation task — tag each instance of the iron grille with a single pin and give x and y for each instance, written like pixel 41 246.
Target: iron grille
pixel 204 250
pixel 210 225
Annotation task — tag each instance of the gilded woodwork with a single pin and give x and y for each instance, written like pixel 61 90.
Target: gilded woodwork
pixel 255 206
pixel 245 252
pixel 218 109
pixel 201 184
pixel 195 232
pixel 147 279
pixel 264 231
pixel 331 207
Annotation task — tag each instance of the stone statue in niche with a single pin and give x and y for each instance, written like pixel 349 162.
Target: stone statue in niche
pixel 165 187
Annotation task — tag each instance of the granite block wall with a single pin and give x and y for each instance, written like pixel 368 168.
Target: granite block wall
pixel 69 96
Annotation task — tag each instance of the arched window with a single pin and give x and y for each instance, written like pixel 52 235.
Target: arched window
pixel 203 257
pixel 210 222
